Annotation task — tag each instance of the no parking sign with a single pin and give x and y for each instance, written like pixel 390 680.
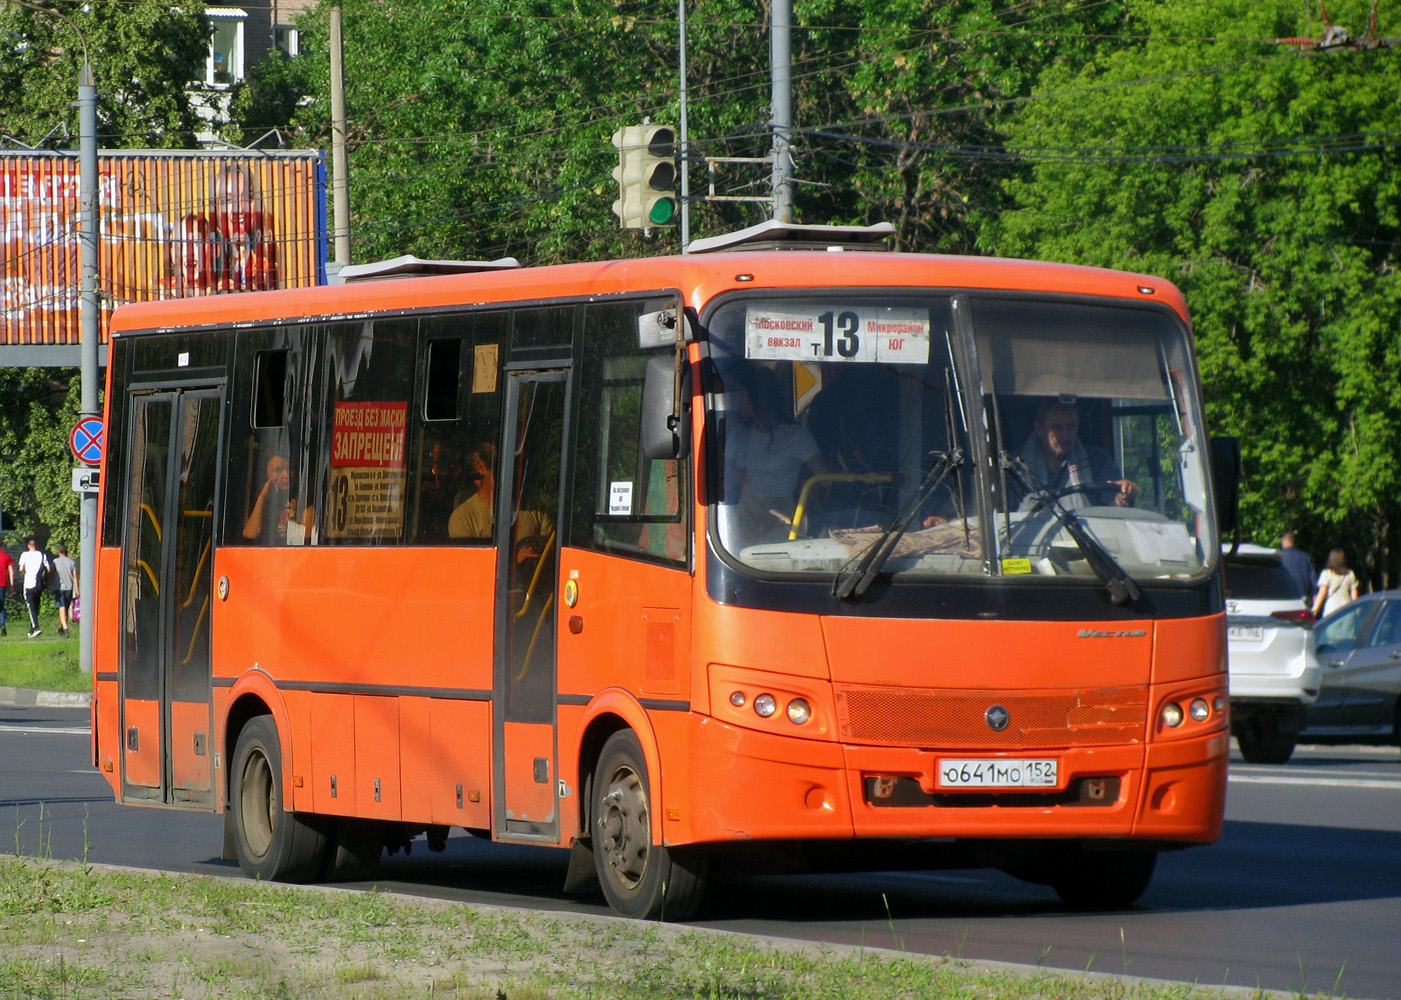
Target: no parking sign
pixel 86 440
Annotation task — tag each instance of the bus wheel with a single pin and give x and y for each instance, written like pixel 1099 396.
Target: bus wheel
pixel 1104 880
pixel 640 879
pixel 353 850
pixel 271 843
pixel 1262 740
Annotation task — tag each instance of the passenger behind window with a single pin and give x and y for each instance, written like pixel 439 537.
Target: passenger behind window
pixel 472 517
pixel 445 487
pixel 766 453
pixel 273 518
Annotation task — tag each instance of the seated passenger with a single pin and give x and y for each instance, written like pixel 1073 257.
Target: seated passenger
pixel 472 519
pixel 273 520
pixel 765 455
pixel 1060 460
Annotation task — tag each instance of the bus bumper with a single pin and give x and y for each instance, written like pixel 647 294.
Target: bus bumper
pixel 747 785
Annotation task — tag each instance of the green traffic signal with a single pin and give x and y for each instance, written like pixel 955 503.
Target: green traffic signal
pixel 646 176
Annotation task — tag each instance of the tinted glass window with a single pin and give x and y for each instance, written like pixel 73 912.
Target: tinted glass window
pixel 1339 633
pixel 1259 582
pixel 624 502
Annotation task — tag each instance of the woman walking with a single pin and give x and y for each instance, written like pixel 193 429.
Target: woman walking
pixel 1337 587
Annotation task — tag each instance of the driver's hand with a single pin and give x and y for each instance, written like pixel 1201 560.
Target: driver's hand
pixel 934 519
pixel 1127 491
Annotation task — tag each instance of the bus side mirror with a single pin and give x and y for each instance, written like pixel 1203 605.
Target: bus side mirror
pixel 1225 476
pixel 663 423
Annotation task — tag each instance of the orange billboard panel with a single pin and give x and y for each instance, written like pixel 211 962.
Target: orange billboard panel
pixel 170 225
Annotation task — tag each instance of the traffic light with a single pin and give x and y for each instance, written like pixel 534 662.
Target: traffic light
pixel 646 176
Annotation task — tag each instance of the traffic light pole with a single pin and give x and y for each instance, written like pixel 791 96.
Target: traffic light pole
pixel 685 137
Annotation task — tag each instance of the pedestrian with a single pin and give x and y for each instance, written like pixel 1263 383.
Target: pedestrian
pixel 1298 565
pixel 36 568
pixel 1337 587
pixel 66 570
pixel 7 583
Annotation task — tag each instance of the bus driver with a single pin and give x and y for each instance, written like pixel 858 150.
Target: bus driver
pixel 1059 459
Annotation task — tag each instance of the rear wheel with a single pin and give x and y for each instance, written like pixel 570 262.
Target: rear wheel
pixel 639 878
pixel 1104 880
pixel 1262 741
pixel 353 850
pixel 270 842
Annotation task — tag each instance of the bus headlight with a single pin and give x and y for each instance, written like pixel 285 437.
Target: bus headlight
pixel 765 705
pixel 1172 715
pixel 737 699
pixel 1199 710
pixel 799 711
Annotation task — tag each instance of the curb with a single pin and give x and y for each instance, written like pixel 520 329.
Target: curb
pixel 29 698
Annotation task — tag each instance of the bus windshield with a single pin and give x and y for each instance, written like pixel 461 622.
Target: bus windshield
pixel 957 434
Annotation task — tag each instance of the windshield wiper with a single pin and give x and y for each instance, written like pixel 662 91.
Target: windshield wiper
pixel 1121 586
pixel 853 581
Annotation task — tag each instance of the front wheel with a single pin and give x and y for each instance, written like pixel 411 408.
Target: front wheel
pixel 1104 880
pixel 1262 741
pixel 640 878
pixel 271 843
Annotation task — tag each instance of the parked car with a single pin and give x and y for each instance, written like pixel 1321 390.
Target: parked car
pixel 1274 674
pixel 1359 697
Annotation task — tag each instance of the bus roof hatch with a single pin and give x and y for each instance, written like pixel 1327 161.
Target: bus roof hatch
pixel 775 235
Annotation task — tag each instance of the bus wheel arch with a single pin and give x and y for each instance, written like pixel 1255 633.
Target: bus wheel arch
pixel 640 877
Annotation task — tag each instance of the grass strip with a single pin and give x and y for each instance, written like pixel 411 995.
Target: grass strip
pixel 76 931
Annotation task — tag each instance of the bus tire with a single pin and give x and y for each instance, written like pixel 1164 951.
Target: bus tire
pixel 639 878
pixel 353 850
pixel 1262 740
pixel 1101 880
pixel 271 843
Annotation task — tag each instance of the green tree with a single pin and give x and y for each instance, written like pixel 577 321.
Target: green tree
pixel 144 53
pixel 38 407
pixel 484 129
pixel 1261 178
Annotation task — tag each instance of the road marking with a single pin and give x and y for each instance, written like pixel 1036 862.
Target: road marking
pixel 1320 782
pixel 48 730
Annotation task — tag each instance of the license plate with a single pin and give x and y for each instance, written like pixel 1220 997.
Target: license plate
pixel 998 773
pixel 1251 633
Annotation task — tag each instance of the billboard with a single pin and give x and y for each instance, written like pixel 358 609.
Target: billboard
pixel 170 224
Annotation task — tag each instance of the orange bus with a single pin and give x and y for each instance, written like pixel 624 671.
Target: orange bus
pixel 807 556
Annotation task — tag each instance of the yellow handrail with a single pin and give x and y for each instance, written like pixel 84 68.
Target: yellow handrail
pixel 535 577
pixel 829 477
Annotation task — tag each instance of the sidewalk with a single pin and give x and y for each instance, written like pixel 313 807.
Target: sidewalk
pixel 29 698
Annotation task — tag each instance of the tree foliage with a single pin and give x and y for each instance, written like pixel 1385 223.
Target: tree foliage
pixel 1262 180
pixel 39 407
pixel 143 53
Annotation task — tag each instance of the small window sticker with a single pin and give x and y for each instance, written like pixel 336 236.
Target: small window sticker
pixel 484 361
pixel 620 498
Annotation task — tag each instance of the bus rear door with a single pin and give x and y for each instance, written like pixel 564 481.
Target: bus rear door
pixel 169 501
pixel 528 497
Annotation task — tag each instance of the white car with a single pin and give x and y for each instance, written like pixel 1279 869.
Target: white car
pixel 1274 670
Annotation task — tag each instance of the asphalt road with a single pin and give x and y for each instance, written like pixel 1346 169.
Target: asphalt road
pixel 1302 894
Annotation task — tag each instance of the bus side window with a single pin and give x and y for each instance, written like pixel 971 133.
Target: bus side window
pixel 371 382
pixel 273 508
pixel 624 503
pixel 456 419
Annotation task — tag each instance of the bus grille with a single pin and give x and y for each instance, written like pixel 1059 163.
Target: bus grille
pixel 956 719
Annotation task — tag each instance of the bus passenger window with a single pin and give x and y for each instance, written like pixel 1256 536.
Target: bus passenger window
pixel 270 389
pixel 625 503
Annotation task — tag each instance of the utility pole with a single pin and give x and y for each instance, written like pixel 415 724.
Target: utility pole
pixel 88 373
pixel 340 182
pixel 781 56
pixel 88 317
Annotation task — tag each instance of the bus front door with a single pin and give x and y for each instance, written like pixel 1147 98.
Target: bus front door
pixel 528 497
pixel 167 563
